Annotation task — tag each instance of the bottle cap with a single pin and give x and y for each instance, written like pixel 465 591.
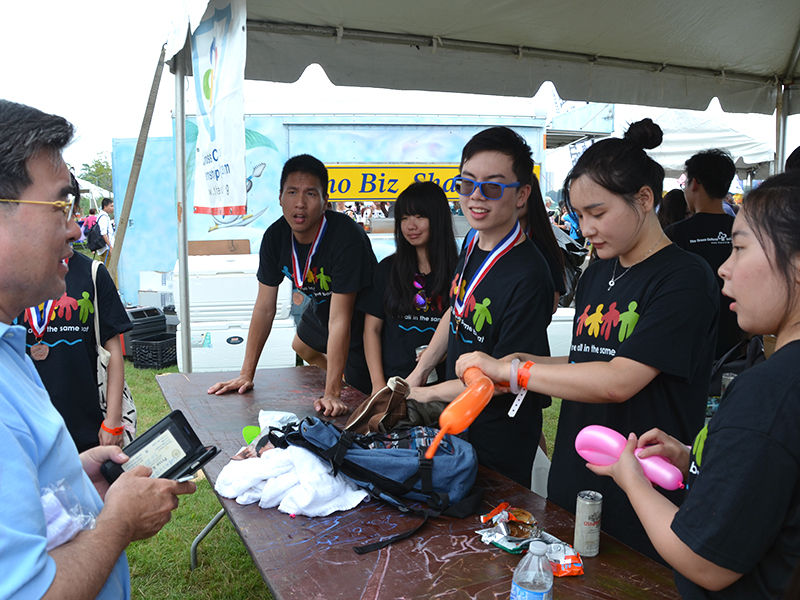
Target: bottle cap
pixel 537 547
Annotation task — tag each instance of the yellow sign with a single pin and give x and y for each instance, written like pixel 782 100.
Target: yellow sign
pixel 384 182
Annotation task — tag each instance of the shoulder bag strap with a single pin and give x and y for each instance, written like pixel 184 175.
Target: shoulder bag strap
pixel 95 266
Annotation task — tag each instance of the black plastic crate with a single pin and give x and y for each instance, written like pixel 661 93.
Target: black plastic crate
pixel 148 321
pixel 155 352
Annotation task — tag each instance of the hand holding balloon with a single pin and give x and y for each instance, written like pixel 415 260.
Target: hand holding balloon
pixel 603 446
pixel 461 412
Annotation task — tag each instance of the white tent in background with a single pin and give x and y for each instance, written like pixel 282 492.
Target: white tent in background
pixel 93 192
pixel 687 132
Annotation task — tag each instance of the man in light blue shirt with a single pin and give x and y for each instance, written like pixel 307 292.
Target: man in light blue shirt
pixel 36 451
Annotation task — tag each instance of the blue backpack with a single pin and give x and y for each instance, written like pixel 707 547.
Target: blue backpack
pixel 392 466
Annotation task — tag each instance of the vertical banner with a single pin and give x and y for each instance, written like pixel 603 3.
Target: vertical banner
pixel 219 46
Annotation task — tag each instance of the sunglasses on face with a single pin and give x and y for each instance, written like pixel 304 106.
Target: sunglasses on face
pixel 491 190
pixel 420 300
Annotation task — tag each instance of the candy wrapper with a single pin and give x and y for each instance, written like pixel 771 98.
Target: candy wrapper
pixel 564 560
pixel 513 529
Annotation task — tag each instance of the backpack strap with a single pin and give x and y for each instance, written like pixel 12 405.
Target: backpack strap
pixel 396 538
pixel 335 454
pixel 466 507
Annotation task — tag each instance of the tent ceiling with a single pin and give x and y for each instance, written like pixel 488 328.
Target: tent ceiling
pixel 677 53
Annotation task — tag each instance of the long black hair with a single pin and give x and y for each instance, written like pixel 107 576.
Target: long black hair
pixel 672 208
pixel 426 199
pixel 539 224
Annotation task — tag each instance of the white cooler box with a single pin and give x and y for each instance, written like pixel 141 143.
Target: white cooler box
pixel 559 332
pixel 224 288
pixel 220 346
pixel 222 293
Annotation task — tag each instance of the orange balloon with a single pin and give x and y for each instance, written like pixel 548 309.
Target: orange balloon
pixel 461 412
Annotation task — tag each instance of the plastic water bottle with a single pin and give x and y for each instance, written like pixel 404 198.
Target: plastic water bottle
pixel 533 577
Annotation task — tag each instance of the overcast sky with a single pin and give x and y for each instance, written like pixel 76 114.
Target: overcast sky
pixel 92 61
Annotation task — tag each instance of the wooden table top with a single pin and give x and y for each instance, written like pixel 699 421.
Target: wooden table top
pixel 305 557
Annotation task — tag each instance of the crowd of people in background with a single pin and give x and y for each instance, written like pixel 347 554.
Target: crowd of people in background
pixel 674 282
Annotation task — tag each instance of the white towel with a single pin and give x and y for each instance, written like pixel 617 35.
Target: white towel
pixel 293 479
pixel 238 476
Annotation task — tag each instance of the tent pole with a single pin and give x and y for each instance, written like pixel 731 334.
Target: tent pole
pixel 180 192
pixel 784 109
pixel 138 156
pixel 780 129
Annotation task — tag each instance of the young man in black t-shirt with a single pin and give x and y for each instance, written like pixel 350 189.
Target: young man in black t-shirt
pixel 707 232
pixel 69 367
pixel 330 259
pixel 501 299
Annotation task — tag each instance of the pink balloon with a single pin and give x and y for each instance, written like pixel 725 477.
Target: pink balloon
pixel 603 446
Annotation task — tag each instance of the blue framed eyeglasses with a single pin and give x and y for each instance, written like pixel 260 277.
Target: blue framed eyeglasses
pixel 491 190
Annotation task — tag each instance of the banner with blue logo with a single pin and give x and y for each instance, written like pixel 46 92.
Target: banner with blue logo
pixel 219 47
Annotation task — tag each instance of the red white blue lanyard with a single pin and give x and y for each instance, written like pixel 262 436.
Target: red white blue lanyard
pixel 39 316
pixel 502 248
pixel 299 277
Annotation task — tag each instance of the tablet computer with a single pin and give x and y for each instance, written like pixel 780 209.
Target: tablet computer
pixel 170 448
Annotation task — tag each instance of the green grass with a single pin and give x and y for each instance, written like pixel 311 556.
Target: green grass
pixel 549 424
pixel 160 566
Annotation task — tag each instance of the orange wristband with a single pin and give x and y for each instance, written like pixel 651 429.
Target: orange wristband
pixel 115 431
pixel 524 374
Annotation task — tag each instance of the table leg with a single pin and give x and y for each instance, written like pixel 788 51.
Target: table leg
pixel 211 524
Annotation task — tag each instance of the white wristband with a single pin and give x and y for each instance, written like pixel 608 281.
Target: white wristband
pixel 513 380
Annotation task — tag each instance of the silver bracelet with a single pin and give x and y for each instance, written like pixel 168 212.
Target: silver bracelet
pixel 513 380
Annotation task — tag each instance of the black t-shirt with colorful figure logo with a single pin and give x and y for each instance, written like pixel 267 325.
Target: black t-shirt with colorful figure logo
pixel 509 311
pixel 742 508
pixel 342 264
pixel 401 336
pixel 69 372
pixel 661 313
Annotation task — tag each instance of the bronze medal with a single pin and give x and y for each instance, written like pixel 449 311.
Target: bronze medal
pixel 39 351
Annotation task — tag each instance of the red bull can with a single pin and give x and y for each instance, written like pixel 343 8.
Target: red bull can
pixel 587 523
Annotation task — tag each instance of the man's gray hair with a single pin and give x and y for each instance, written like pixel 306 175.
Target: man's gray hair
pixel 24 132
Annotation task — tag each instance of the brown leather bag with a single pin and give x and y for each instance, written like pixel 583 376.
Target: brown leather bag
pixel 380 412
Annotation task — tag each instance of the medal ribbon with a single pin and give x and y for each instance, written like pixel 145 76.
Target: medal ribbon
pixel 39 316
pixel 298 280
pixel 502 248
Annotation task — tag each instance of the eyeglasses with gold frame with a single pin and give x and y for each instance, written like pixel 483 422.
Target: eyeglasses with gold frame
pixel 66 206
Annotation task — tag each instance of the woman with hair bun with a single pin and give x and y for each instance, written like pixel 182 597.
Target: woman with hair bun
pixel 644 331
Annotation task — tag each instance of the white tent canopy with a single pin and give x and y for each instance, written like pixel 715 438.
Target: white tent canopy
pixel 678 54
pixel 672 53
pixel 94 192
